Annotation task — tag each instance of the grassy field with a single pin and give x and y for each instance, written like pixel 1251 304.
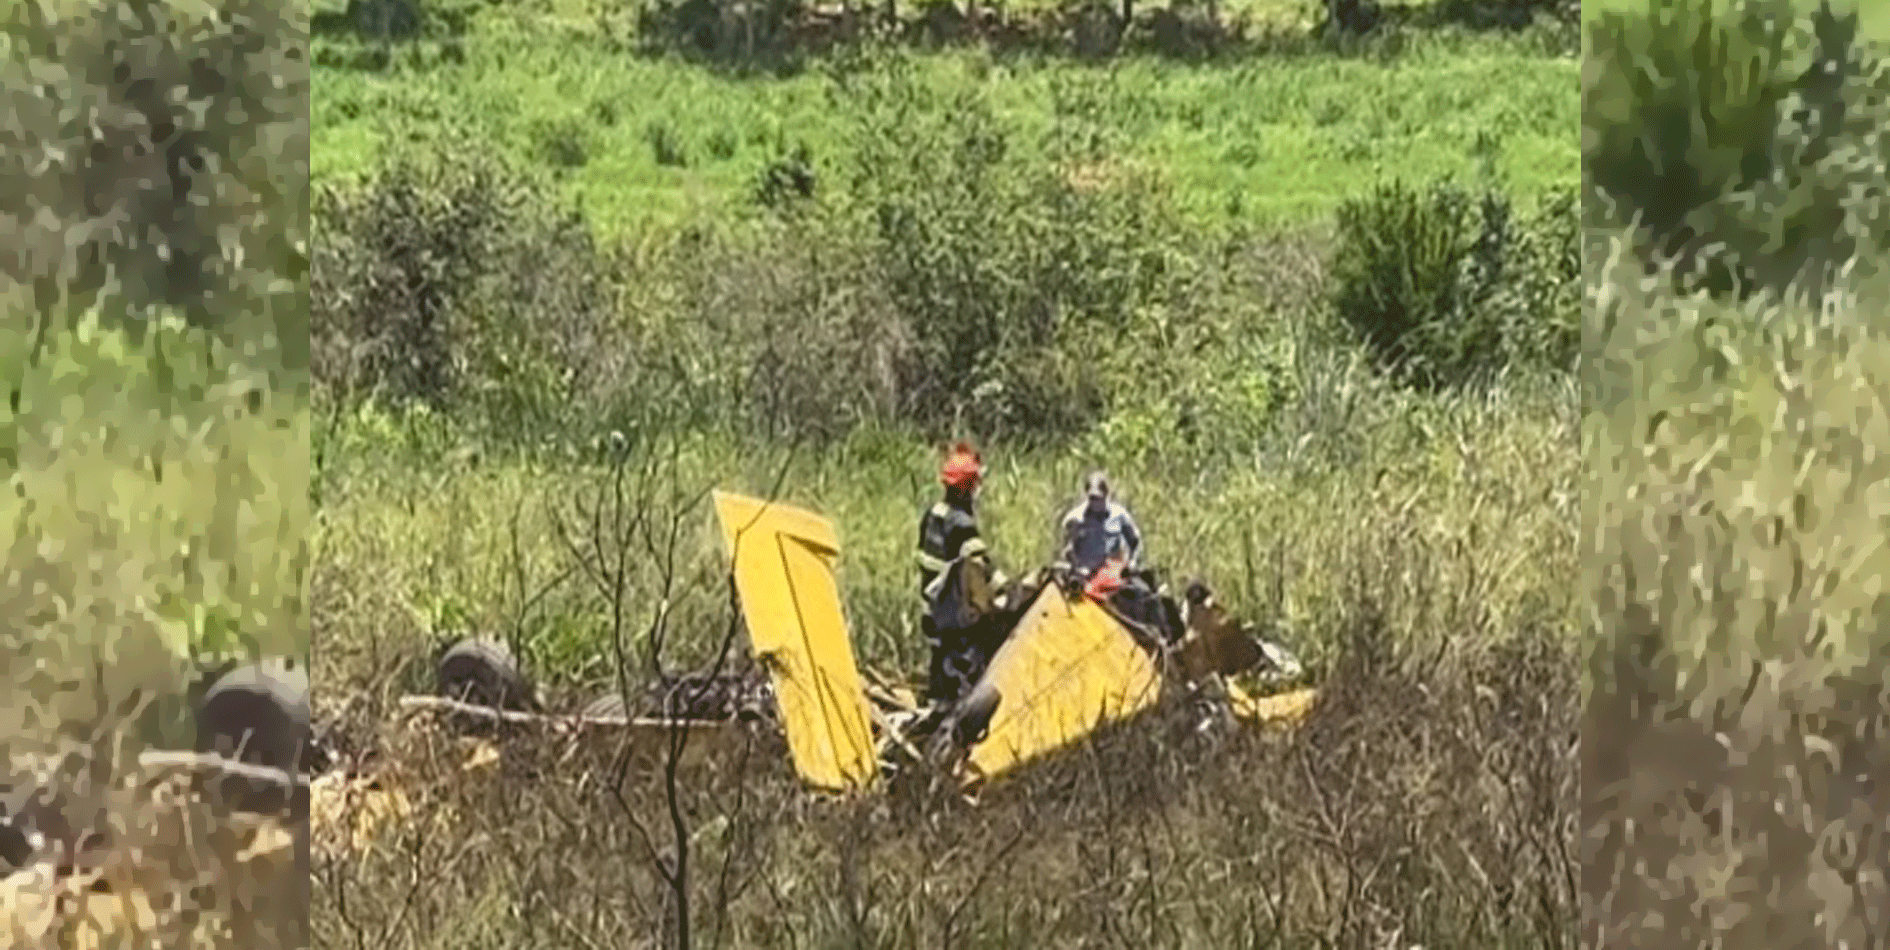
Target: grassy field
pixel 1268 143
pixel 1178 328
pixel 1731 488
pixel 1449 535
pixel 1479 490
pixel 1294 136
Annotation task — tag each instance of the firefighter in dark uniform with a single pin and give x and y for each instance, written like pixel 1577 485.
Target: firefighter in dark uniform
pixel 955 580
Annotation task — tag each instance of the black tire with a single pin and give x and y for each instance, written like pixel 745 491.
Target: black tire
pixel 483 672
pixel 258 713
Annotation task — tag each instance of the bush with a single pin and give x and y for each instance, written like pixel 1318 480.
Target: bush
pixel 1445 286
pixel 1004 261
pixel 1400 280
pixel 1511 14
pixel 456 283
pixel 397 19
pixel 1542 305
pixel 159 156
pixel 1747 142
pixel 1363 16
pixel 960 276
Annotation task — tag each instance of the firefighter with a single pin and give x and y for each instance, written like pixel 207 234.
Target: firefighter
pixel 955 580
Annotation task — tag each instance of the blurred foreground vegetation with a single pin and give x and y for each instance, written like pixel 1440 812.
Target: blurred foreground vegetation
pixel 153 356
pixel 1733 509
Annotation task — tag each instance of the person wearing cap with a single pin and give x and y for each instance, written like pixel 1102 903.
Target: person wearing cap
pixel 950 542
pixel 1102 548
pixel 1099 529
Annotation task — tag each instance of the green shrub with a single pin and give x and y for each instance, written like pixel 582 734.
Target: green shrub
pixel 1746 141
pixel 1005 259
pixel 397 19
pixel 1412 273
pixel 1511 14
pixel 157 154
pixel 457 283
pixel 1541 307
pixel 1444 286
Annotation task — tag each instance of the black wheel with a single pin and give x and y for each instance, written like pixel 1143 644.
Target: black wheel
pixel 483 672
pixel 257 714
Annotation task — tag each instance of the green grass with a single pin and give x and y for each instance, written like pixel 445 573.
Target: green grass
pixel 1734 481
pixel 1479 489
pixel 1732 486
pixel 152 521
pixel 1273 142
pixel 153 449
pixel 1455 519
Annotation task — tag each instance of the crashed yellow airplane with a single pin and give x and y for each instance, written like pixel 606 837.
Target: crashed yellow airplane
pixel 1069 667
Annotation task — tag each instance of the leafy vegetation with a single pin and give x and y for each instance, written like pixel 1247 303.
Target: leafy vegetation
pixel 1745 140
pixel 153 328
pixel 1441 288
pixel 1731 446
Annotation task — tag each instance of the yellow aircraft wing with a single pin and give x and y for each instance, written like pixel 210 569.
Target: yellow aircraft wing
pixel 1068 668
pixel 783 559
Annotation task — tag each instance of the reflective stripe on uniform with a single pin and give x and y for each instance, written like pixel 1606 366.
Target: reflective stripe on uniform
pixel 971 549
pixel 931 562
pixel 930 592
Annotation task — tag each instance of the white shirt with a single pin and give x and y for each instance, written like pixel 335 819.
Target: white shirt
pixel 1090 538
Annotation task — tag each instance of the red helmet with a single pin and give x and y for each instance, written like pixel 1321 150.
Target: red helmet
pixel 964 467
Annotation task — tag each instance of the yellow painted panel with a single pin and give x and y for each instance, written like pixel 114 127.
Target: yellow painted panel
pixel 1281 709
pixel 1067 669
pixel 784 572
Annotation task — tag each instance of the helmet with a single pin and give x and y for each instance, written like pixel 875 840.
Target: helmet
pixel 963 468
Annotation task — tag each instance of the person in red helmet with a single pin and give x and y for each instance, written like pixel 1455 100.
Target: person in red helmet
pixel 955 579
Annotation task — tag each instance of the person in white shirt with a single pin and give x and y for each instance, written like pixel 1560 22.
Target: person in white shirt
pixel 1098 529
